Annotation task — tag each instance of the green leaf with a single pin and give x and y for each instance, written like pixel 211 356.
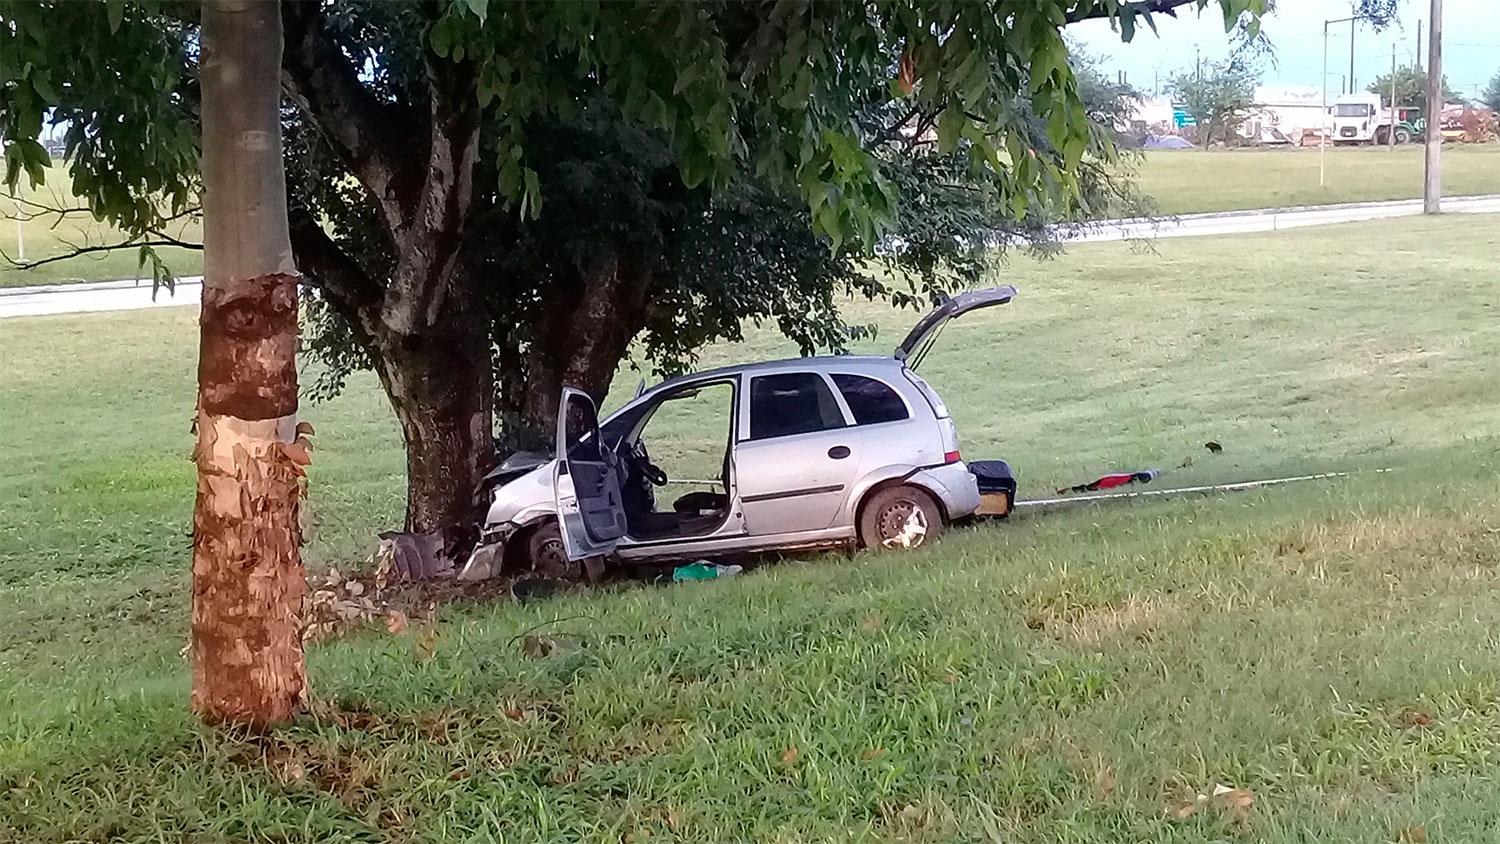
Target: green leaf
pixel 35 159
pixel 531 200
pixel 479 7
pixel 950 127
pixel 441 37
pixel 116 11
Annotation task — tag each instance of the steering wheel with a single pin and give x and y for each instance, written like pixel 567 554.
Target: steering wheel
pixel 642 461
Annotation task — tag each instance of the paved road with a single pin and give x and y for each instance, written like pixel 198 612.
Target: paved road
pixel 1241 222
pixel 125 295
pixel 95 296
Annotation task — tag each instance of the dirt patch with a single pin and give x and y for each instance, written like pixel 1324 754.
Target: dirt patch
pixel 1068 620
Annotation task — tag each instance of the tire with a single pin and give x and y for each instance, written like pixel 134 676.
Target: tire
pixel 901 517
pixel 1403 136
pixel 544 553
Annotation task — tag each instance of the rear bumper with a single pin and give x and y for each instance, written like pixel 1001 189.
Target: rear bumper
pixel 954 485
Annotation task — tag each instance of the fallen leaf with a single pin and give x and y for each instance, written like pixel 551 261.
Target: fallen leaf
pixel 789 756
pixel 427 643
pixel 873 753
pixel 1412 834
pixel 1412 718
pixel 355 588
pixel 870 623
pixel 396 622
pixel 1181 809
pixel 1104 781
pixel 544 646
pixel 1236 798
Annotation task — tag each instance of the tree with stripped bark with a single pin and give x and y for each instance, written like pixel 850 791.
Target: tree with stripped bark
pixel 248 581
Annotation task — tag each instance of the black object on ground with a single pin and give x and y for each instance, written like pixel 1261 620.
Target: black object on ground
pixel 997 487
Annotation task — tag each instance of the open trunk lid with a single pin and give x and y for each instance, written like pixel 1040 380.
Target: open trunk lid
pixel 925 332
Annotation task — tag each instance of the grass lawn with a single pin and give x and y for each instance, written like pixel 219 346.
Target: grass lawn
pixel 1191 181
pixel 1074 676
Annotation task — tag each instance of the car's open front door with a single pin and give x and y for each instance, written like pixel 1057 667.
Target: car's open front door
pixel 925 332
pixel 587 481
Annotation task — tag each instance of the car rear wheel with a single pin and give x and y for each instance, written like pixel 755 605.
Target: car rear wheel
pixel 899 517
pixel 1403 136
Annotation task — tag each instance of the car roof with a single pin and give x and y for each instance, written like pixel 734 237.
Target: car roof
pixel 821 363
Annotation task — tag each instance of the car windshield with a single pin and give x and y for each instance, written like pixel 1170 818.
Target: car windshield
pixel 1351 110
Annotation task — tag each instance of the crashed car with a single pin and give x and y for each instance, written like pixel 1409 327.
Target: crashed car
pixel 815 452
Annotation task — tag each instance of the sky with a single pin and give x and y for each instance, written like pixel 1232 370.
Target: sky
pixel 1471 44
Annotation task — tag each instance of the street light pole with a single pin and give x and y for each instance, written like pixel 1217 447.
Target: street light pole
pixel 1390 133
pixel 1352 21
pixel 1323 131
pixel 1323 126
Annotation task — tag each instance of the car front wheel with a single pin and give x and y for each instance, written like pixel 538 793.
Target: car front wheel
pixel 545 554
pixel 899 517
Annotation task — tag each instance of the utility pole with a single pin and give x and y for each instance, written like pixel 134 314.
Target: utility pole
pixel 1390 133
pixel 1432 184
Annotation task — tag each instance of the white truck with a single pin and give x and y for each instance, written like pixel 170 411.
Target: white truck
pixel 1363 118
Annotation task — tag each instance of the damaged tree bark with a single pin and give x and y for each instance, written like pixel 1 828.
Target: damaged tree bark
pixel 248 580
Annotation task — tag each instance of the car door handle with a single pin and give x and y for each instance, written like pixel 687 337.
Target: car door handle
pixel 839 452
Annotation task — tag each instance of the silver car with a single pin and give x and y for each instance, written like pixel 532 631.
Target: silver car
pixel 791 454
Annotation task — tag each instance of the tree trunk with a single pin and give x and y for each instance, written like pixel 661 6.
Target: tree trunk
pixel 585 332
pixel 248 580
pixel 441 387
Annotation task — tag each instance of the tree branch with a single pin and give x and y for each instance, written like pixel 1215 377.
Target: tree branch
pixel 326 267
pixel 75 251
pixel 429 245
pixel 370 137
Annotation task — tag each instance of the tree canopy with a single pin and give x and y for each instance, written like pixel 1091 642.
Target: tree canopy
pixel 1218 97
pixel 1411 88
pixel 1491 95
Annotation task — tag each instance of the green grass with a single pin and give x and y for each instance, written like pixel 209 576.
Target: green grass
pixel 1191 181
pixel 1068 676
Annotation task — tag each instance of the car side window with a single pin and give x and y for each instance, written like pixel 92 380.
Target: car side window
pixel 579 426
pixel 871 401
pixel 792 403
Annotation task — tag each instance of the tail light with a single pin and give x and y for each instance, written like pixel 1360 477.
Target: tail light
pixel 951 457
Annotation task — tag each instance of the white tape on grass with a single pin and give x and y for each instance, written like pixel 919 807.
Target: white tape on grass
pixel 1186 490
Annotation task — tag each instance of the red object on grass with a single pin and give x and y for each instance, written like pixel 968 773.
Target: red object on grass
pixel 1112 480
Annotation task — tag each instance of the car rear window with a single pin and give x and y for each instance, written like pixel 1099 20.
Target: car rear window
pixel 871 401
pixel 792 403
